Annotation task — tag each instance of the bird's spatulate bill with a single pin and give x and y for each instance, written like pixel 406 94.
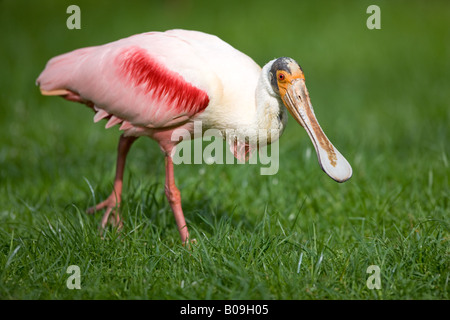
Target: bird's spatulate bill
pixel 330 159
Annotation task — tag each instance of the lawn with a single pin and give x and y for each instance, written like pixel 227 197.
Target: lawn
pixel 382 97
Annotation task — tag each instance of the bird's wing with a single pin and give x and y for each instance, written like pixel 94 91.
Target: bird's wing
pixel 151 80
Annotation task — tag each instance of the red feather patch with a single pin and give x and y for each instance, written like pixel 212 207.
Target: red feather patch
pixel 141 69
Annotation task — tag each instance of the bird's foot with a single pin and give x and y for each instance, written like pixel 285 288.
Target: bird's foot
pixel 112 206
pixel 188 243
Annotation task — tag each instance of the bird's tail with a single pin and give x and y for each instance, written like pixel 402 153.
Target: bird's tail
pixel 55 79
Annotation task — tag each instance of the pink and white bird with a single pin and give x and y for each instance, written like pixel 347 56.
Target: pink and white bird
pixel 155 83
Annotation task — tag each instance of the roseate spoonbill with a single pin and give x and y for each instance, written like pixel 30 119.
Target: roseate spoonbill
pixel 155 83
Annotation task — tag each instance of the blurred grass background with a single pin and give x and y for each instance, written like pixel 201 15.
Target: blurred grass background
pixel 382 96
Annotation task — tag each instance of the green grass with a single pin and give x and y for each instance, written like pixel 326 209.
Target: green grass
pixel 380 95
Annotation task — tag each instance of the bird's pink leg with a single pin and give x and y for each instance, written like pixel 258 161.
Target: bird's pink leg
pixel 112 203
pixel 174 197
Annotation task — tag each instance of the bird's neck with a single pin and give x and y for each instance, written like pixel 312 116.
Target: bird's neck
pixel 271 115
pixel 266 124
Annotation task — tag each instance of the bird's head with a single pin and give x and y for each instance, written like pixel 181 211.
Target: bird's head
pixel 288 81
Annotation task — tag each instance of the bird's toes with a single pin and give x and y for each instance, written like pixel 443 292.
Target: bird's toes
pixel 115 220
pixel 189 243
pixel 108 204
pixel 91 210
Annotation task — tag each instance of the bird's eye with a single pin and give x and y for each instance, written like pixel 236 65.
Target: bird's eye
pixel 281 76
